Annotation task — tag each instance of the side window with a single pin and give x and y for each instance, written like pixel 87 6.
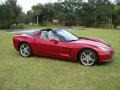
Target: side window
pixel 52 36
pixel 44 35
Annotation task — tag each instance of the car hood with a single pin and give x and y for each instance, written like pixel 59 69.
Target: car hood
pixel 93 42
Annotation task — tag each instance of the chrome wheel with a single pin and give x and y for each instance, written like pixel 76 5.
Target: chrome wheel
pixel 88 57
pixel 25 50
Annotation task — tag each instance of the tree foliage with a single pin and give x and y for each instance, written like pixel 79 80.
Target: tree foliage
pixel 68 12
pixel 9 13
pixel 79 12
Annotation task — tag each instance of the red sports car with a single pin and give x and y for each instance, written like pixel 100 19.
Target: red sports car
pixel 58 43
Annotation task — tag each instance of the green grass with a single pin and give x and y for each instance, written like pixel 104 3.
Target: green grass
pixel 37 73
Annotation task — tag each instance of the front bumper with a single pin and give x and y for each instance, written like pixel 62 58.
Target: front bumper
pixel 106 56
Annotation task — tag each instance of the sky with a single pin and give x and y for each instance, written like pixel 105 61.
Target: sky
pixel 27 4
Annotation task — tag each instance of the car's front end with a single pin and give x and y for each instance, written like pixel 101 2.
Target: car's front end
pixel 104 51
pixel 105 54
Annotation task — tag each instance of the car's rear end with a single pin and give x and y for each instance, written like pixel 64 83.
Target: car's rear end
pixel 16 42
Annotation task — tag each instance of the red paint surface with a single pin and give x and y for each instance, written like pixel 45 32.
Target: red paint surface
pixel 63 50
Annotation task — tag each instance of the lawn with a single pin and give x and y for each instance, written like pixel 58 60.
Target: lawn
pixel 38 73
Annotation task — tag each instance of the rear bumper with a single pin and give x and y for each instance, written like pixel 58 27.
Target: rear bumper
pixel 106 56
pixel 15 43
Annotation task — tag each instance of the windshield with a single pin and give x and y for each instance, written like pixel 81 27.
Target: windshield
pixel 66 36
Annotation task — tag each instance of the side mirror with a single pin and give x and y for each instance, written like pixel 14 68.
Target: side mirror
pixel 54 41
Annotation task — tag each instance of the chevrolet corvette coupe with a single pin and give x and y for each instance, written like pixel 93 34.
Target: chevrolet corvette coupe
pixel 61 44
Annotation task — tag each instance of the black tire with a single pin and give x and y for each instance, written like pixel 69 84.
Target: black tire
pixel 25 50
pixel 88 57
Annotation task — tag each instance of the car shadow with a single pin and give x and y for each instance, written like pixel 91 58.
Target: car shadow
pixel 105 63
pixel 53 58
pixel 63 60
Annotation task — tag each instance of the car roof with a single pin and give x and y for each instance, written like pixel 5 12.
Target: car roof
pixel 47 29
pixel 51 29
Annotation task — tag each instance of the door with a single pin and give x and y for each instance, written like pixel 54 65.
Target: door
pixel 42 44
pixel 50 45
pixel 60 49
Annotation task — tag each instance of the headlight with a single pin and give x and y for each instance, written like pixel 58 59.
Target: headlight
pixel 103 48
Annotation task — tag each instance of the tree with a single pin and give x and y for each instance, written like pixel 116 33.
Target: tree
pixel 79 12
pixel 67 11
pixel 37 10
pixel 116 14
pixel 9 13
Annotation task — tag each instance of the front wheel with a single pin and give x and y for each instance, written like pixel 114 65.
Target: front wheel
pixel 25 50
pixel 88 57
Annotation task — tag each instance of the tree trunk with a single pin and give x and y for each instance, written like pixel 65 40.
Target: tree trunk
pixel 37 20
pixel 115 26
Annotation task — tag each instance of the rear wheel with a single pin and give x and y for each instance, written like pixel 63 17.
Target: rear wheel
pixel 25 50
pixel 88 57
